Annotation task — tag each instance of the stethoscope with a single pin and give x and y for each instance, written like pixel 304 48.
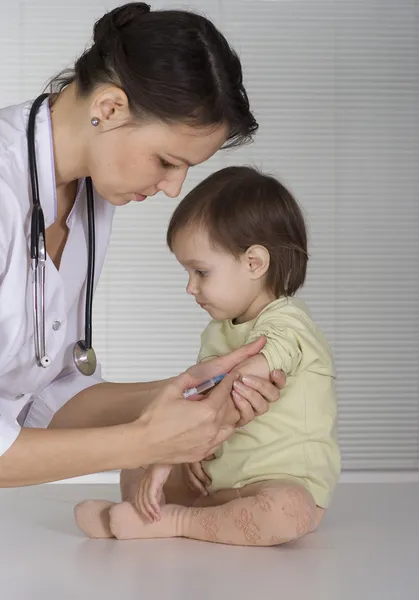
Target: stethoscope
pixel 84 356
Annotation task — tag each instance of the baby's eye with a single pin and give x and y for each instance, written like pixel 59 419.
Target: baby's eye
pixel 201 273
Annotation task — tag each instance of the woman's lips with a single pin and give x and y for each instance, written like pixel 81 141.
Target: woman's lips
pixel 139 197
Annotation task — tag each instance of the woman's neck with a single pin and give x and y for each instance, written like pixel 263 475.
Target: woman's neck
pixel 68 117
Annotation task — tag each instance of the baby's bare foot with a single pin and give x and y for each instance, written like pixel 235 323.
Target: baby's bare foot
pixel 92 517
pixel 126 523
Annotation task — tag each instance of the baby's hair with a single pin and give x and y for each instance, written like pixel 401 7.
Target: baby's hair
pixel 240 207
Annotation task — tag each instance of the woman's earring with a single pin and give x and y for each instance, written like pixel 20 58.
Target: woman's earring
pixel 95 121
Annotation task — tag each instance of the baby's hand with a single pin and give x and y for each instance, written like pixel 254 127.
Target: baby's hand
pixel 150 492
pixel 195 478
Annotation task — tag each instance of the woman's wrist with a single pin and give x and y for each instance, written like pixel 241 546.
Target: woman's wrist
pixel 129 446
pixel 137 445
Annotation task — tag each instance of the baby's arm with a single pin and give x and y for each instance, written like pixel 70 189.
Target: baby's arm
pixel 255 365
pixel 150 491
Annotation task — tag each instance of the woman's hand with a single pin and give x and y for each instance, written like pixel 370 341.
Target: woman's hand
pixel 173 430
pixel 253 388
pixel 252 395
pixel 224 364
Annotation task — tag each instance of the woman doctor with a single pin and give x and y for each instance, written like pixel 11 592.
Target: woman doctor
pixel 156 93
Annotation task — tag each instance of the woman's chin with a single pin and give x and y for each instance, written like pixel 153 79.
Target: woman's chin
pixel 118 200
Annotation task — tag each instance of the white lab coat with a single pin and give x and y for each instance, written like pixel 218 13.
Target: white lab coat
pixel 30 394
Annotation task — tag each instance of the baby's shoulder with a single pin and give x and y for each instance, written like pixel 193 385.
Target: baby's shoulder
pixel 285 313
pixel 287 322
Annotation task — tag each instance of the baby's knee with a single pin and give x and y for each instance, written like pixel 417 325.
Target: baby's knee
pixel 296 511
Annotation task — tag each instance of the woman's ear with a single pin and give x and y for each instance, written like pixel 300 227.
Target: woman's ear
pixel 257 260
pixel 110 105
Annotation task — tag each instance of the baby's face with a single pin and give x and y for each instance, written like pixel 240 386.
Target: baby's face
pixel 220 283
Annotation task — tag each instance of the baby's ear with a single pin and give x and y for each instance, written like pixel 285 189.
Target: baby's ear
pixel 257 261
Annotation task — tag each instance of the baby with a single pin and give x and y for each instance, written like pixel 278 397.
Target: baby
pixel 241 237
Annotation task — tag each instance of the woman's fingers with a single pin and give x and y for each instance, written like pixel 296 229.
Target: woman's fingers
pixel 265 388
pixel 223 434
pixel 279 379
pixel 252 395
pixel 245 409
pixel 257 402
pixel 229 361
pixel 223 364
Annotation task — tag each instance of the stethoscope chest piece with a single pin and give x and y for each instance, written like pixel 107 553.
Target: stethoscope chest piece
pixel 84 358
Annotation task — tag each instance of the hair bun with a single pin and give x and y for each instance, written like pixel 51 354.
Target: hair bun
pixel 116 19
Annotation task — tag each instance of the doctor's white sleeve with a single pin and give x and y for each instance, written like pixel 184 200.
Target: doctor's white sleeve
pixel 44 405
pixel 62 389
pixel 9 428
pixel 9 258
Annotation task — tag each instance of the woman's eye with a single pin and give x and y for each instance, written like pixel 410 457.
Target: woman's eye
pixel 166 165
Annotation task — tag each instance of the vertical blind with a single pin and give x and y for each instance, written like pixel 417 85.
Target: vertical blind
pixel 335 88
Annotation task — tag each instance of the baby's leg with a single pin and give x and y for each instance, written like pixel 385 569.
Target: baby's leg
pixel 264 514
pixel 92 516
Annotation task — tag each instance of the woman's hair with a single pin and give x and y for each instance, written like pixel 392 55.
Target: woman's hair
pixel 240 207
pixel 173 65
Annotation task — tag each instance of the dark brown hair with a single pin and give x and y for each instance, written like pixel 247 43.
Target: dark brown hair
pixel 240 207
pixel 173 65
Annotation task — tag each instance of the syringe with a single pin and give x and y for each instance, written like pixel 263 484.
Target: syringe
pixel 203 387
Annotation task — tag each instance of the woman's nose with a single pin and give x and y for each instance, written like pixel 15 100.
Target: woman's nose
pixel 173 187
